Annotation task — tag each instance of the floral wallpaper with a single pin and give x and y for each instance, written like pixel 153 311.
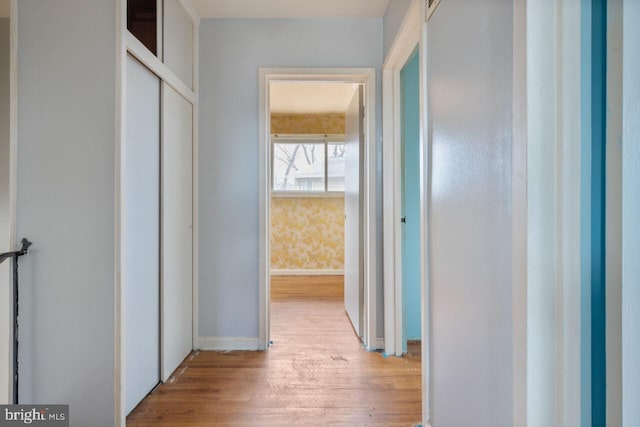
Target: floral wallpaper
pixel 328 123
pixel 307 233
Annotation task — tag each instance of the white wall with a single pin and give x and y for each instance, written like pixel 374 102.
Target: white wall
pixel 469 74
pixel 630 215
pixel 393 17
pixel 231 51
pixel 65 203
pixel 5 300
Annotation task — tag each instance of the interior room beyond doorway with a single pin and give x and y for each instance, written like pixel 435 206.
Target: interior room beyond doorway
pixel 307 188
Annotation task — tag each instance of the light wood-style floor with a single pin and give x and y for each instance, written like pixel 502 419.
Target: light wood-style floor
pixel 315 373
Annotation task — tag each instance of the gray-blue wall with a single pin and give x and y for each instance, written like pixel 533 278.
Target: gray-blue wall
pixel 393 18
pixel 470 62
pixel 65 204
pixel 231 52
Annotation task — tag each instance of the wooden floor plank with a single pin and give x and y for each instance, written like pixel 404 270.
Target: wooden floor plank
pixel 316 373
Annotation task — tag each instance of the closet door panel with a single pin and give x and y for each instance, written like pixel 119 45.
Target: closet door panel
pixel 141 227
pixel 177 230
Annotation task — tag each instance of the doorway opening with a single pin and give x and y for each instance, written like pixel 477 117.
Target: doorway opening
pixel 316 258
pixel 410 250
pixel 305 192
pixel 405 266
pixel 405 183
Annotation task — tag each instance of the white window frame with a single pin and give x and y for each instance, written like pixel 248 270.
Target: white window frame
pixel 290 138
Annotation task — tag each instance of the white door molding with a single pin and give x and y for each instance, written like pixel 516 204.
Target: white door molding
pixel 406 40
pixel 554 162
pixel 365 76
pixel 6 346
pixel 630 215
pixel 412 33
pixel 425 191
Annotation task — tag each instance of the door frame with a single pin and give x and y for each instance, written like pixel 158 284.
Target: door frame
pixel 404 45
pixel 365 76
pixel 412 33
pixel 7 346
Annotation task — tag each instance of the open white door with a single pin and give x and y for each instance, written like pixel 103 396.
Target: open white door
pixel 354 212
pixel 142 233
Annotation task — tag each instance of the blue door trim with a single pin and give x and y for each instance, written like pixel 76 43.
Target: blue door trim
pixel 593 203
pixel 598 204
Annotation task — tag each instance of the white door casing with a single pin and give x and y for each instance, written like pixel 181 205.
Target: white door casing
pixel 408 37
pixel 6 170
pixel 366 77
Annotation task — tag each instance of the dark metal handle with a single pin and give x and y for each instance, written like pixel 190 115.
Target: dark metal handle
pixel 22 251
pixel 403 220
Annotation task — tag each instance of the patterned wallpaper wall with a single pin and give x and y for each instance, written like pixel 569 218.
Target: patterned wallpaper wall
pixel 307 233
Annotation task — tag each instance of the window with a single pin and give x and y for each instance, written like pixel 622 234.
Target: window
pixel 142 22
pixel 302 163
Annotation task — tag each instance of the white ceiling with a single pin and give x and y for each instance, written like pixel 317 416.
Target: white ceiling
pixel 310 98
pixel 291 8
pixel 278 8
pixel 4 8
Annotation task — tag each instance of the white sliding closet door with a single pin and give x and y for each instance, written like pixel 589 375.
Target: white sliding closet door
pixel 177 234
pixel 141 233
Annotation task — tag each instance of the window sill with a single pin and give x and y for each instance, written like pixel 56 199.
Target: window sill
pixel 307 195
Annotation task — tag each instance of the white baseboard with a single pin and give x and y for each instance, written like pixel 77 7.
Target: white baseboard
pixel 307 272
pixel 228 343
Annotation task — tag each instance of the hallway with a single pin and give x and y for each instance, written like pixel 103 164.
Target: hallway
pixel 316 373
